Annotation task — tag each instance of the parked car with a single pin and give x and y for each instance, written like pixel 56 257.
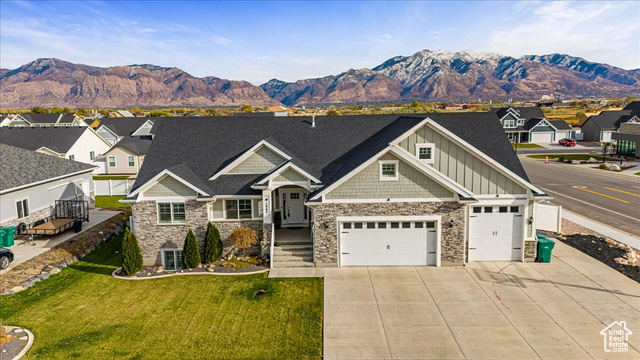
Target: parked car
pixel 6 257
pixel 567 142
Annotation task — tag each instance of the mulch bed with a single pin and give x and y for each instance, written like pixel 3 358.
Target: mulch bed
pixel 18 341
pixel 598 249
pixel 152 271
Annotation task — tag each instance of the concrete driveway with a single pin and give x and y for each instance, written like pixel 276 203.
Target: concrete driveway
pixel 483 310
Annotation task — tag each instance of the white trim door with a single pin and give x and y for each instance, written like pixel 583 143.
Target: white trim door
pixel 495 233
pixel 388 243
pixel 293 209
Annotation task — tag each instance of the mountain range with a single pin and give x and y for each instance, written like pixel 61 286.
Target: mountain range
pixel 425 76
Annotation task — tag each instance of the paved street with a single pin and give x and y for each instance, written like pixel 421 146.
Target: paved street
pixel 602 196
pixel 485 310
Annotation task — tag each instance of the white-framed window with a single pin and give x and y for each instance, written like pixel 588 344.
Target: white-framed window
pixel 92 155
pixel 131 161
pixel 238 209
pixel 22 208
pixel 509 123
pixel 424 152
pixel 72 157
pixel 172 259
pixel 112 161
pixel 388 170
pixel 520 122
pixel 171 213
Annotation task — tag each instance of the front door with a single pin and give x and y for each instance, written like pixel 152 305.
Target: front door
pixel 293 207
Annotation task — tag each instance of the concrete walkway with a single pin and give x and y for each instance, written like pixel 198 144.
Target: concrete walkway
pixel 603 229
pixel 24 252
pixel 483 310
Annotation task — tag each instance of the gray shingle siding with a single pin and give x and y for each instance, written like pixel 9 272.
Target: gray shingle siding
pixel 260 162
pixel 411 184
pixel 169 187
pixel 290 175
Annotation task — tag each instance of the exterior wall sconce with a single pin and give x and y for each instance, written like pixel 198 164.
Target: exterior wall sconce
pixel 530 220
pixel 451 223
pixel 326 224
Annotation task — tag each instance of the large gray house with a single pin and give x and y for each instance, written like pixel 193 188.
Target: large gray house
pixel 529 125
pixel 428 189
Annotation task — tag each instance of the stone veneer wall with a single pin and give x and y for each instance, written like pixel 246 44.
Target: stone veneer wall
pixel 33 217
pixel 326 241
pixel 530 250
pixel 153 237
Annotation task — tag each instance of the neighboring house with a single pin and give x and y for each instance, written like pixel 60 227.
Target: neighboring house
pixel 113 130
pixel 121 114
pixel 563 130
pixel 601 127
pixel 31 182
pixel 628 138
pixel 74 143
pixel 42 120
pixel 426 189
pixel 528 125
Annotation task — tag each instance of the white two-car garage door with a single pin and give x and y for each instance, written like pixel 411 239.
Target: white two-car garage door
pixel 368 243
pixel 541 137
pixel 495 233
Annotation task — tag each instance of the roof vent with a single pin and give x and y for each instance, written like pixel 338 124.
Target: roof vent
pixel 313 121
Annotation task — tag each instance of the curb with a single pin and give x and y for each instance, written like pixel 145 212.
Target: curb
pixel 29 341
pixel 120 277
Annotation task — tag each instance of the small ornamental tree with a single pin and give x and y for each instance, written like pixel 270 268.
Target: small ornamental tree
pixel 190 252
pixel 243 238
pixel 212 244
pixel 131 255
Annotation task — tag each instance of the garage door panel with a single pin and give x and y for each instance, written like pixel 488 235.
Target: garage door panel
pixel 389 243
pixel 495 234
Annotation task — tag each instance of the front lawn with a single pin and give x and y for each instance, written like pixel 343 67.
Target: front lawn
pixel 84 313
pixel 110 202
pixel 528 146
pixel 568 157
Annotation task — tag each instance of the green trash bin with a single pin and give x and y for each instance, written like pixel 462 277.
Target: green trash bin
pixel 10 235
pixel 545 246
pixel 3 236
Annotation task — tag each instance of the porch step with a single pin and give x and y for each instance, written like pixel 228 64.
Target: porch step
pixel 305 246
pixel 293 264
pixel 294 242
pixel 292 258
pixel 300 250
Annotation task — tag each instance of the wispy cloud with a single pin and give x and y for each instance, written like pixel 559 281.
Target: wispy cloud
pixel 222 40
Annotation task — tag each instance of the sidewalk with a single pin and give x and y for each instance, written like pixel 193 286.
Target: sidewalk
pixel 603 229
pixel 24 252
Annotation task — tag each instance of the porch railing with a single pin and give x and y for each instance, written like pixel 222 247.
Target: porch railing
pixel 271 250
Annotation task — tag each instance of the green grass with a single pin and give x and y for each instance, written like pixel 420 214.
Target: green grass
pixel 110 202
pixel 111 177
pixel 83 312
pixel 567 156
pixel 638 173
pixel 528 146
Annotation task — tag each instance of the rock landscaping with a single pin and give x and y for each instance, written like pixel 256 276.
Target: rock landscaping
pixel 618 256
pixel 13 341
pixel 41 267
pixel 229 266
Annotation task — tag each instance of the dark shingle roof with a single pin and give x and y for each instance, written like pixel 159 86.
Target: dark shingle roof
pixel 609 120
pixel 560 125
pixel 135 144
pixel 337 145
pixel 23 167
pixel 634 106
pixel 123 126
pixel 40 118
pixel 529 112
pixel 58 139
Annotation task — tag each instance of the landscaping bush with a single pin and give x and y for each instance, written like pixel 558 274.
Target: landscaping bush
pixel 4 337
pixel 212 244
pixel 131 255
pixel 190 252
pixel 244 238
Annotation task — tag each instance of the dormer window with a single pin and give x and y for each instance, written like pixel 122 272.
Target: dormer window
pixel 520 122
pixel 424 152
pixel 509 123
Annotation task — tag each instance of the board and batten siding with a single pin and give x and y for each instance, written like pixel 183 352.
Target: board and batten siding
pixel 411 184
pixel 168 186
pixel 259 162
pixel 461 166
pixel 290 175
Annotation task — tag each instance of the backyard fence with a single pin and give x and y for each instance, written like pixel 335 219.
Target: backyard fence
pixel 113 187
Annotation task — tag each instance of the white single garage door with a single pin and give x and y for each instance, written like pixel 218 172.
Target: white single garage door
pixel 541 137
pixel 370 243
pixel 495 233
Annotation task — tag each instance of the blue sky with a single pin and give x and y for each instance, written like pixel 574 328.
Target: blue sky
pixel 257 41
